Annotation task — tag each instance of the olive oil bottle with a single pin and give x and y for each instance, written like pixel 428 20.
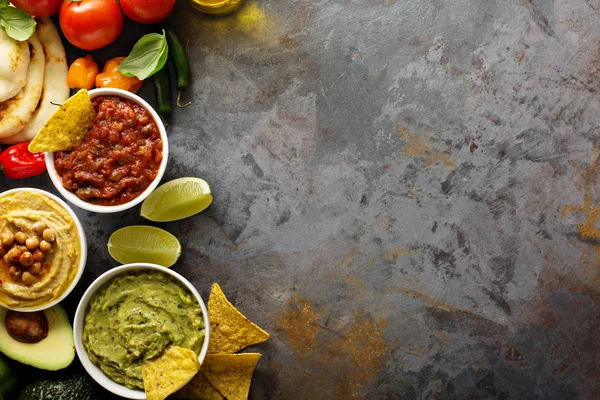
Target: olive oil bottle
pixel 216 7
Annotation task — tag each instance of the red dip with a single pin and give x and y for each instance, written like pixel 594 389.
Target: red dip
pixel 119 157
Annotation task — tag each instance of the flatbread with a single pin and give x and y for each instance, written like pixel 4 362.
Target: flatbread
pixel 16 112
pixel 13 66
pixel 55 90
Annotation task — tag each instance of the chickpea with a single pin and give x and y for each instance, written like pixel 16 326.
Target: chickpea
pixel 32 243
pixel 49 235
pixel 27 278
pixel 14 272
pixel 36 268
pixel 13 254
pixel 45 246
pixel 26 259
pixel 20 237
pixel 38 255
pixel 39 227
pixel 8 237
pixel 22 249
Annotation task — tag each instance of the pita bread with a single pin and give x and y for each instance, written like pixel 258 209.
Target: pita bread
pixel 16 112
pixel 13 66
pixel 55 89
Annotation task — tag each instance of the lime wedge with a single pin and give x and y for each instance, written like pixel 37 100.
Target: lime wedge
pixel 140 243
pixel 177 199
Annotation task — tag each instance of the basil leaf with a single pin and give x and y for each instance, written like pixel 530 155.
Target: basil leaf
pixel 3 2
pixel 148 56
pixel 17 24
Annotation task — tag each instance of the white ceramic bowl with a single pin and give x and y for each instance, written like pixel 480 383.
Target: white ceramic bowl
pixel 72 197
pixel 82 241
pixel 95 372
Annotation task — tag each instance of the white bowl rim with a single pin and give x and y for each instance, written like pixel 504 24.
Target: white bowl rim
pixel 72 198
pixel 95 372
pixel 82 243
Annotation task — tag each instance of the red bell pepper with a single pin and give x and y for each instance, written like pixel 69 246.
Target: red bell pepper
pixel 18 163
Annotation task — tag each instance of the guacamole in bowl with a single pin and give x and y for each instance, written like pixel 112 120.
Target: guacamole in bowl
pixel 132 314
pixel 133 318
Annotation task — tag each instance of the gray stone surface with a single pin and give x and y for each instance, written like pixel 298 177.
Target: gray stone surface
pixel 405 193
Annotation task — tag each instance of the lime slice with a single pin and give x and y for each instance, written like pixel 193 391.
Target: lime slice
pixel 177 199
pixel 139 243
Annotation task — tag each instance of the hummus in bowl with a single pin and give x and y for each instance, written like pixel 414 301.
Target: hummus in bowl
pixel 43 249
pixel 132 314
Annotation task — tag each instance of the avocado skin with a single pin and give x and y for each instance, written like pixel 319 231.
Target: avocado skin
pixel 8 379
pixel 76 387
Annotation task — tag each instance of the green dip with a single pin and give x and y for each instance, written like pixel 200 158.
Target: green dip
pixel 133 318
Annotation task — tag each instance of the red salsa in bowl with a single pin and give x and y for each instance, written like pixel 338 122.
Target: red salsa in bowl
pixel 118 159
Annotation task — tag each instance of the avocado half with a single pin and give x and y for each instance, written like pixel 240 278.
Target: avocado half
pixel 56 351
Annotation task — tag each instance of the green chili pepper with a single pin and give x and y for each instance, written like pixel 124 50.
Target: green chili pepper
pixel 182 64
pixel 163 91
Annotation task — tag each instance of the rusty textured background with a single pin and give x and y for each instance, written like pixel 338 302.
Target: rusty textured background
pixel 406 193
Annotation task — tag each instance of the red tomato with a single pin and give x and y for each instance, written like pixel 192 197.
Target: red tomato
pixel 39 8
pixel 91 24
pixel 147 11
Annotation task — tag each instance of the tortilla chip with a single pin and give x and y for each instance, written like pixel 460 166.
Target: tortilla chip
pixel 199 388
pixel 169 372
pixel 67 127
pixel 231 374
pixel 230 331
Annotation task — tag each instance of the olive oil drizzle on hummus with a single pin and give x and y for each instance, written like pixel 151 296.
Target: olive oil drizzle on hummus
pixel 135 317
